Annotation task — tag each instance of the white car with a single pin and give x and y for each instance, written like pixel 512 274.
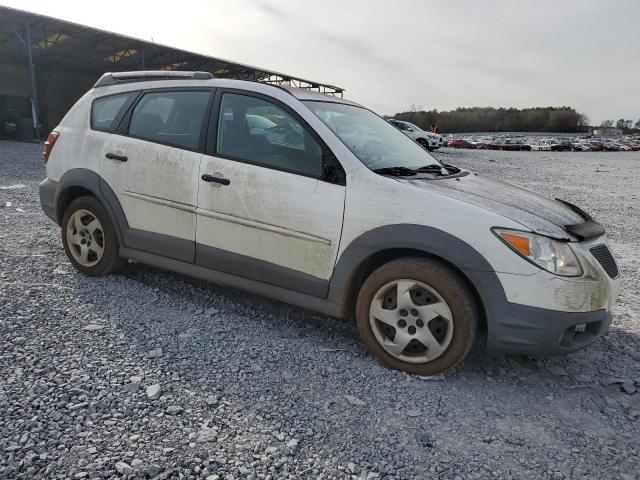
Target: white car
pixel 541 144
pixel 331 209
pixel 430 141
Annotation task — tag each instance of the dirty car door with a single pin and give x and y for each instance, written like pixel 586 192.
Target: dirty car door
pixel 152 167
pixel 263 211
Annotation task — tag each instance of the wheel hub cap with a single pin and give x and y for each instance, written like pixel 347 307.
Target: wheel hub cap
pixel 411 321
pixel 85 238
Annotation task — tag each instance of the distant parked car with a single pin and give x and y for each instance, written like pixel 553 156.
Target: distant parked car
pixel 430 141
pixel 543 144
pixel 580 147
pixel 460 143
pixel 513 145
pixel 561 146
pixel 11 130
pixel 508 144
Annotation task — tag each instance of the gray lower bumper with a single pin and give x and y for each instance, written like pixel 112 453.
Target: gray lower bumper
pixel 528 330
pixel 48 189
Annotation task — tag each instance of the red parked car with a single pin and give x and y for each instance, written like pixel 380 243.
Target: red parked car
pixel 459 143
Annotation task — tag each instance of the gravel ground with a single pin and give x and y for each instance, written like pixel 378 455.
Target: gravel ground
pixel 151 374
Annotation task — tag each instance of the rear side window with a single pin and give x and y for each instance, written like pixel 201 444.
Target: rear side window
pixel 105 111
pixel 173 118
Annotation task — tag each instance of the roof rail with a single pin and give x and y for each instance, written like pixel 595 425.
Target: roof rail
pixel 114 78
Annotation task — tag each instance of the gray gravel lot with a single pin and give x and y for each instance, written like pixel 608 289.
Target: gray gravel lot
pixel 151 374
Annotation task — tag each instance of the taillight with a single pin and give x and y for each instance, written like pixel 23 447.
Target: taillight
pixel 48 145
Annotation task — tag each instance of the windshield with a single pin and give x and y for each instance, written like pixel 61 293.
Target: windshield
pixel 375 142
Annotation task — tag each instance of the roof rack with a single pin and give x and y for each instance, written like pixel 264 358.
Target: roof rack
pixel 114 78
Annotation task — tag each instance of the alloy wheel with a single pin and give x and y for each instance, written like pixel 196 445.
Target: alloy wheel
pixel 85 238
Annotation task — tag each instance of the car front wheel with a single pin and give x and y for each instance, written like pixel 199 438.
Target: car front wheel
pixel 417 315
pixel 424 143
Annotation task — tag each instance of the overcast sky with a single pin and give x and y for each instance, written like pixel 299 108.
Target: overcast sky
pixel 391 54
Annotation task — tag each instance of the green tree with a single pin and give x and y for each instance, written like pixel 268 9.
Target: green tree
pixel 489 119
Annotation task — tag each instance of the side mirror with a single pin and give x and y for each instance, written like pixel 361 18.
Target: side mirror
pixel 409 129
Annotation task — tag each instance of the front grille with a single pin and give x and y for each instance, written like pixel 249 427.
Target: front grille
pixel 604 257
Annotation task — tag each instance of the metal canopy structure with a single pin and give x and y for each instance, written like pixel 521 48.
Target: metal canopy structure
pixel 47 44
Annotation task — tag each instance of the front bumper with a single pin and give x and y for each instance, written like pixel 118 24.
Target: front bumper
pixel 547 314
pixel 529 330
pixel 47 190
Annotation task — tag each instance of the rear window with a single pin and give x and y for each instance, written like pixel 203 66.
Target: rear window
pixel 105 111
pixel 172 118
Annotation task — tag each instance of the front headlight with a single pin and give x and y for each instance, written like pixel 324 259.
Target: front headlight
pixel 552 255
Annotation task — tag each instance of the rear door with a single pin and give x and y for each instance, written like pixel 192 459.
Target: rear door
pixel 152 166
pixel 265 210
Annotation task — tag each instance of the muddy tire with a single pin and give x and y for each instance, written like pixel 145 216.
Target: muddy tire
pixel 89 238
pixel 417 315
pixel 424 143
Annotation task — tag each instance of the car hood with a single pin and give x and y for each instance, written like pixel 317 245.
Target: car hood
pixel 536 212
pixel 431 134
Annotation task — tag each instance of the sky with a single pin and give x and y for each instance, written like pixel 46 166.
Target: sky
pixel 391 55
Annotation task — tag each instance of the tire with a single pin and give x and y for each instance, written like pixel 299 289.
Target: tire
pixel 92 248
pixel 422 288
pixel 424 143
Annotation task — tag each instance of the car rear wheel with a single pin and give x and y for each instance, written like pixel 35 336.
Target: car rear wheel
pixel 89 238
pixel 417 315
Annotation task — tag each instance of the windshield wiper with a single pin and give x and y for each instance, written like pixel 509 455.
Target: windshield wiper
pixel 395 171
pixel 433 168
pixel 406 172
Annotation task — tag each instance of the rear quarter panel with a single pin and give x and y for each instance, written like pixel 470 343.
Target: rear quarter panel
pixel 77 146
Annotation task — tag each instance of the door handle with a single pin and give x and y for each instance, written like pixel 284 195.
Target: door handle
pixel 210 178
pixel 114 156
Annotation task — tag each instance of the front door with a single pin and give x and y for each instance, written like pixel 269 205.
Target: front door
pixel 263 211
pixel 152 167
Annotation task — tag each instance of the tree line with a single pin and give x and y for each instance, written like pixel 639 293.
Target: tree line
pixel 489 119
pixel 627 126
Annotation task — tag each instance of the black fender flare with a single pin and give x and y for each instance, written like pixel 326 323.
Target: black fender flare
pixel 431 241
pixel 94 183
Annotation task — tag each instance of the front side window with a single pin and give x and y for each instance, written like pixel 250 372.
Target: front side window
pixel 105 110
pixel 173 118
pixel 375 142
pixel 257 131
